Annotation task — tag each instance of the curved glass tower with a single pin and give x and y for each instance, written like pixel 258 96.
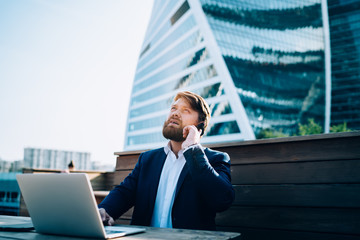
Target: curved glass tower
pixel 344 21
pixel 259 64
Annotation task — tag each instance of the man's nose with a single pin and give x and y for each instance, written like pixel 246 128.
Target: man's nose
pixel 175 113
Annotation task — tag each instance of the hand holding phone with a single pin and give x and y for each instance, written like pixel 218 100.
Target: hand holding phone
pixel 192 136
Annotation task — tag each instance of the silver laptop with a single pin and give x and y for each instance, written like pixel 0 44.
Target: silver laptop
pixel 64 204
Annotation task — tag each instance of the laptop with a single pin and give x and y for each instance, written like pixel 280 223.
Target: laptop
pixel 64 204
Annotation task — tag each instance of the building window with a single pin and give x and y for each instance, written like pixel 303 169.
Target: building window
pixel 223 128
pixel 181 11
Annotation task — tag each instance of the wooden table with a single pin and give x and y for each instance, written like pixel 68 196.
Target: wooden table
pixel 151 233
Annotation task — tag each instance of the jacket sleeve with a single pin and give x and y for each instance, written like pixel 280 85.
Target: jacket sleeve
pixel 211 177
pixel 122 197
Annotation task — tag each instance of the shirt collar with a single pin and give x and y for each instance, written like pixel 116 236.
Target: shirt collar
pixel 167 150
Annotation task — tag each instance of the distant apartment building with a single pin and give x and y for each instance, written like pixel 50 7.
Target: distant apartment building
pixel 17 166
pixel 55 159
pixel 11 166
pixel 5 166
pixel 259 64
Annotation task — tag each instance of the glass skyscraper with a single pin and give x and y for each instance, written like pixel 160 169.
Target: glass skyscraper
pixel 259 64
pixel 344 21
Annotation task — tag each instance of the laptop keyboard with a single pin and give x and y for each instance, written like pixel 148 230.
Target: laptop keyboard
pixel 112 230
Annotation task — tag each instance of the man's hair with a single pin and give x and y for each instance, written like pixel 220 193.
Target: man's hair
pixel 198 104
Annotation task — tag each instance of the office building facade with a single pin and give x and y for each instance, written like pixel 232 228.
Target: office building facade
pixel 259 64
pixel 344 24
pixel 55 159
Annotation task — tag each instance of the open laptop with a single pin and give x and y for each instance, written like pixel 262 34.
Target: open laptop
pixel 64 204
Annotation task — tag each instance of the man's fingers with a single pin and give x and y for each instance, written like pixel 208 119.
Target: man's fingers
pixel 186 131
pixel 191 135
pixel 102 214
pixel 106 218
pixel 111 221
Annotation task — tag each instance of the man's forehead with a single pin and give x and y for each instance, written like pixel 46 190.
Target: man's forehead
pixel 181 101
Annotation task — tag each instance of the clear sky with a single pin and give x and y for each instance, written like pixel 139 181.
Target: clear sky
pixel 66 72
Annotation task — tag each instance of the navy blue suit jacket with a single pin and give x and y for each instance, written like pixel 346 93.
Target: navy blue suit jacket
pixel 204 188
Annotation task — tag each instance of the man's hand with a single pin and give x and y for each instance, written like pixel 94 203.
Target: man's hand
pixel 106 218
pixel 191 135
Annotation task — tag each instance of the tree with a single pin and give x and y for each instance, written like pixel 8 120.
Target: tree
pixel 304 129
pixel 342 127
pixel 271 133
pixel 310 128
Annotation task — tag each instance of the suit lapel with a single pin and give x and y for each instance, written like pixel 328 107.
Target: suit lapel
pixel 159 160
pixel 182 176
pixel 157 166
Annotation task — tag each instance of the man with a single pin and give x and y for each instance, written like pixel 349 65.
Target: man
pixel 181 185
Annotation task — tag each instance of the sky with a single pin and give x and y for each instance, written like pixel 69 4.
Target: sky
pixel 66 72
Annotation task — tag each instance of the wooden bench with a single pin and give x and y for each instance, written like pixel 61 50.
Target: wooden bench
pixel 304 187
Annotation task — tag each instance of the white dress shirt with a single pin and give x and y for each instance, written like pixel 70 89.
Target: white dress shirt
pixel 166 190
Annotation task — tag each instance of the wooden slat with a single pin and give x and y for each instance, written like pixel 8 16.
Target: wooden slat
pixel 302 148
pixel 342 135
pixel 261 234
pixel 286 173
pixel 100 196
pixel 332 220
pixel 325 195
pixel 310 195
pixel 326 149
pixel 295 195
pixel 120 176
pixel 97 180
pixel 301 172
pixel 126 162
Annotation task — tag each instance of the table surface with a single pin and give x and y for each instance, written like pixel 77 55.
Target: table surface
pixel 150 233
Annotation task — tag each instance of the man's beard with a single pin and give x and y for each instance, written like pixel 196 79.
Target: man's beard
pixel 172 133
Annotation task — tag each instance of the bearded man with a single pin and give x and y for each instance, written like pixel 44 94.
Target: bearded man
pixel 181 185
